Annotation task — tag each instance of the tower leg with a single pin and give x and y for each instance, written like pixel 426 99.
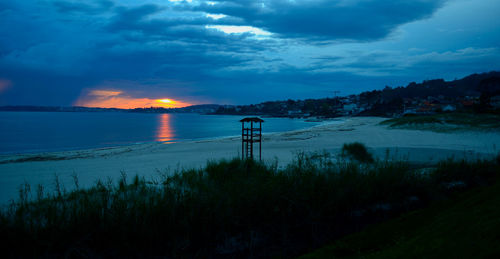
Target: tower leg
pixel 260 141
pixel 251 139
pixel 242 140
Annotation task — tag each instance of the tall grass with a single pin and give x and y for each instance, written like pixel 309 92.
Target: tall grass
pixel 230 208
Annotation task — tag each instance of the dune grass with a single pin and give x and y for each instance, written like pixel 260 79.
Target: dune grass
pixel 230 208
pixel 447 122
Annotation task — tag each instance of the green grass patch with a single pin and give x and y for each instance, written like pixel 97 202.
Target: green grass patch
pixel 447 122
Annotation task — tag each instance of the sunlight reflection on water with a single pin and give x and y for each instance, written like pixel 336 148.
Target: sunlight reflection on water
pixel 164 131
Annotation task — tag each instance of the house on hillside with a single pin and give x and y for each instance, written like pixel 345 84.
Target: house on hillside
pixel 495 101
pixel 350 108
pixel 297 114
pixel 449 108
pixel 467 104
pixel 425 109
pixel 408 111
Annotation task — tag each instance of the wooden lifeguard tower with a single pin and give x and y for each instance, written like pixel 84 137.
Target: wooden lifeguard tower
pixel 251 132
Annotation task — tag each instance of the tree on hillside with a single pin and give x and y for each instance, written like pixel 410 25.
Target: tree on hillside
pixel 488 87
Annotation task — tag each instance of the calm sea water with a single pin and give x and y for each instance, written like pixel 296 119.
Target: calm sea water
pixel 22 132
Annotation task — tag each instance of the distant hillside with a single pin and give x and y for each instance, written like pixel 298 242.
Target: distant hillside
pixel 472 85
pixel 476 89
pixel 203 108
pixel 31 108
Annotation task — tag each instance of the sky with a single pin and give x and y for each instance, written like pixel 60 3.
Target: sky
pixel 173 53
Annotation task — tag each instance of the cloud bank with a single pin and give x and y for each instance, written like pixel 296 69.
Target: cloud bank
pixel 57 52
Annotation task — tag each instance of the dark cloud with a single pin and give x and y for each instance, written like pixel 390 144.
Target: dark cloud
pixel 53 51
pixel 4 6
pixel 251 86
pixel 38 87
pixel 86 7
pixel 139 24
pixel 130 19
pixel 165 61
pixel 325 61
pixel 324 19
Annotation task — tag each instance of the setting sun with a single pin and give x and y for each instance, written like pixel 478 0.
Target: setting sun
pixel 165 101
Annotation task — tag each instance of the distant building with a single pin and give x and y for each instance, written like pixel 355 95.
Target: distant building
pixel 449 108
pixel 467 103
pixel 295 112
pixel 350 107
pixel 425 109
pixel 495 101
pixel 410 111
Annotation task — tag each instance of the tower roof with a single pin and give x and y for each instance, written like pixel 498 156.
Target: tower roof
pixel 254 119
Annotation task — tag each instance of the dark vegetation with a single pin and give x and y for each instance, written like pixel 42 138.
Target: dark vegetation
pixel 447 122
pixel 465 226
pixel 327 107
pixel 390 100
pixel 357 151
pixel 228 209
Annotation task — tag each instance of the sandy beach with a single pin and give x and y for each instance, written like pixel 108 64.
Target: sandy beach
pixel 150 160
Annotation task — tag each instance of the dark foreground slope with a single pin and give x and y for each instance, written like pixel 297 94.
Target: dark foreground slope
pixel 467 226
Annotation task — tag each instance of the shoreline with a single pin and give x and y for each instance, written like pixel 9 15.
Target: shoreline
pixel 150 160
pixel 130 145
pixel 50 151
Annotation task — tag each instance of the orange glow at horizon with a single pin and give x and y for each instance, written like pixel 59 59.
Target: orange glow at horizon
pixel 117 99
pixel 164 131
pixel 4 84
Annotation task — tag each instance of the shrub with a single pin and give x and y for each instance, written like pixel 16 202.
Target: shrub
pixel 357 151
